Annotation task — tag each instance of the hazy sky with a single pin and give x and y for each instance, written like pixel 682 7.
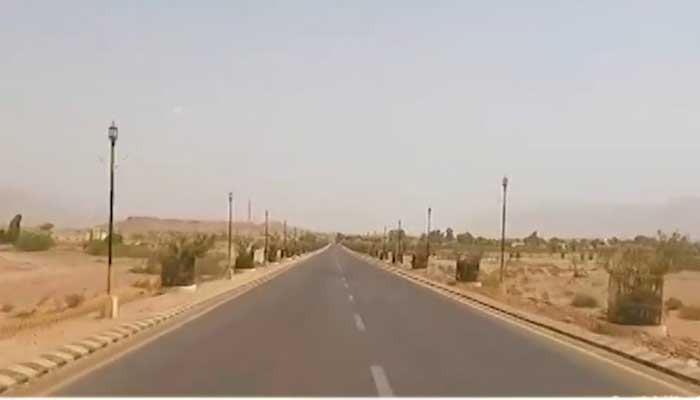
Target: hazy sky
pixel 350 115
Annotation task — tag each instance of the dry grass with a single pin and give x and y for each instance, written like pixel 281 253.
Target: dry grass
pixel 690 313
pixel 584 300
pixel 147 284
pixel 26 313
pixel 73 300
pixel 673 304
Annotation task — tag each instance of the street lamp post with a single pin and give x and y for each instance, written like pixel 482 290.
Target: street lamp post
pixel 112 134
pixel 230 238
pixel 503 227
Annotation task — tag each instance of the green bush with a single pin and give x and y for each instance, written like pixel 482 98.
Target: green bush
pixel 245 261
pixel 584 300
pixel 673 304
pixel 29 241
pixel 101 247
pixel 690 312
pixel 179 256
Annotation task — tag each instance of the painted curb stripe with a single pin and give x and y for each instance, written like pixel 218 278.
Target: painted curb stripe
pixel 55 359
pixel 92 344
pixel 44 363
pixel 62 355
pixel 121 331
pixel 76 350
pixel 39 369
pixel 101 339
pixel 21 369
pixel 7 380
pixel 111 336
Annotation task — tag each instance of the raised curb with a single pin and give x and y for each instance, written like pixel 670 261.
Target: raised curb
pixel 24 372
pixel 668 365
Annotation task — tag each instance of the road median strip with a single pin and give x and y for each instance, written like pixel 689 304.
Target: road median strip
pixel 22 373
pixel 668 365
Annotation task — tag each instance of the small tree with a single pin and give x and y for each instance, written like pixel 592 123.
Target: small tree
pixel 29 241
pixel 449 235
pixel 637 277
pixel 179 256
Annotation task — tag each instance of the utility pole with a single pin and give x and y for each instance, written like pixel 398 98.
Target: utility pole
pixel 296 242
pixel 113 134
pixel 266 237
pixel 427 237
pixel 384 244
pixel 284 240
pixel 230 223
pixel 503 227
pixel 250 214
pixel 399 251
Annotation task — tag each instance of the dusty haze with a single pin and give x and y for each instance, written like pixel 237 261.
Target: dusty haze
pixel 351 117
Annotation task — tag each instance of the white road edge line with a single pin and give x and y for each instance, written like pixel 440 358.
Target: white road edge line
pixel 359 323
pixel 381 381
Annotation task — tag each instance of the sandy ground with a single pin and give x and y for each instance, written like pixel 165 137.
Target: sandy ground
pixel 27 344
pixel 546 285
pixel 41 280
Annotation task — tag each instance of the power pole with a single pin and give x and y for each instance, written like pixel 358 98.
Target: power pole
pixel 503 228
pixel 384 244
pixel 250 214
pixel 284 241
pixel 427 237
pixel 266 236
pixel 399 251
pixel 230 220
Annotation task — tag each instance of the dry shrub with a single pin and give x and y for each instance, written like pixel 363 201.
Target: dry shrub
pixel 58 304
pixel 490 279
pixel 512 290
pixel 7 307
pixel 584 300
pixel 147 284
pixel 43 301
pixel 690 312
pixel 73 300
pixel 26 313
pixel 673 304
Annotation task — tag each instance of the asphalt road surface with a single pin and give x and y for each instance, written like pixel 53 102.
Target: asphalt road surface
pixel 337 326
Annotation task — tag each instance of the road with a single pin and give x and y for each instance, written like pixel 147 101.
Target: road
pixel 338 326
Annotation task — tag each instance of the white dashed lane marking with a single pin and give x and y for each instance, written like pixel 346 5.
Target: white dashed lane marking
pixel 381 381
pixel 359 323
pixel 351 298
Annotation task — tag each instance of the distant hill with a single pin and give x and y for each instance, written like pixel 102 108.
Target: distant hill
pixel 144 225
pixel 597 220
